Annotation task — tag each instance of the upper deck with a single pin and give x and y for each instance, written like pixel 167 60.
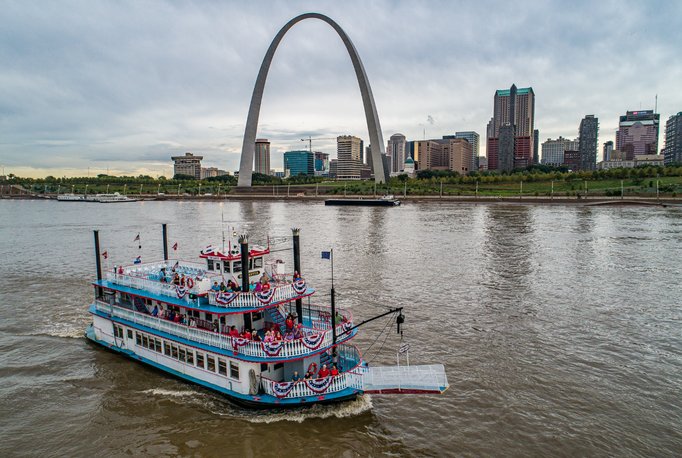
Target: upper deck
pixel 154 280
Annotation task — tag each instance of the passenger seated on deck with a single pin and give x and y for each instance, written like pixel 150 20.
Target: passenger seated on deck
pixel 324 372
pixel 252 286
pixel 298 332
pixel 266 286
pixel 277 336
pixel 176 279
pixel 308 375
pixel 192 323
pixel 171 315
pixel 234 332
pixel 216 326
pixel 120 270
pixel 334 370
pixel 268 337
pixel 177 318
pixel 222 287
pixel 296 276
pixel 246 334
pixel 183 280
pixel 215 286
pixel 295 377
pixel 155 312
pixel 288 336
pixel 258 288
pixel 254 336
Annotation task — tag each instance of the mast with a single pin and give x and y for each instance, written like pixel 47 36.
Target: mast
pixel 297 267
pixel 164 232
pixel 98 263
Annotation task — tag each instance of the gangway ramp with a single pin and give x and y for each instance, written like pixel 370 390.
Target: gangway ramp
pixel 405 379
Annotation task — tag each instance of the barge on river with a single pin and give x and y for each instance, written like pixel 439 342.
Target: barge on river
pixel 197 332
pixel 384 201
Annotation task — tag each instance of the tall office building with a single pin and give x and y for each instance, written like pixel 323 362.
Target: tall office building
pixel 513 118
pixel 474 139
pixel 536 146
pixel 638 133
pixel 349 157
pixel 588 134
pixel 299 163
pixel 449 153
pixel 673 139
pixel 553 150
pixel 395 149
pixel 321 161
pixel 608 150
pixel 189 164
pixel 261 157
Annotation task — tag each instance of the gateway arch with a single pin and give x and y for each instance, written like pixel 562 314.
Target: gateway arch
pixel 375 137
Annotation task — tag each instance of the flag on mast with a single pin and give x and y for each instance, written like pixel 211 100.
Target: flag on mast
pixel 138 260
pixel 105 255
pixel 139 242
pixel 326 255
pixel 175 246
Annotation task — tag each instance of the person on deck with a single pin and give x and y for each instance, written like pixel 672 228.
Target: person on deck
pixel 254 336
pixel 268 337
pixel 192 323
pixel 252 286
pixel 155 312
pixel 176 279
pixel 298 332
pixel 120 270
pixel 222 287
pixel 308 375
pixel 258 288
pixel 183 280
pixel 334 371
pixel 295 377
pixel 296 276
pixel 171 315
pixel 215 286
pixel 289 323
pixel 324 372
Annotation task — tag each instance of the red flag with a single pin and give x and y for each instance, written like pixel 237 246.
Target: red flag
pixel 175 246
pixel 137 238
pixel 105 255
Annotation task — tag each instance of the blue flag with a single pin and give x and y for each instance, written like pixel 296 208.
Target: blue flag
pixel 326 255
pixel 138 260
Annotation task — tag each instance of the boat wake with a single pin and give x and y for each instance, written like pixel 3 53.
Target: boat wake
pixel 218 406
pixel 65 331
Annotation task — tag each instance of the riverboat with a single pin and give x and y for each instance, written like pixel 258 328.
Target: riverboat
pixel 70 198
pixel 197 331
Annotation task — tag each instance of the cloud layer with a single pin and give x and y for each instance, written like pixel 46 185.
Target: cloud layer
pixel 125 85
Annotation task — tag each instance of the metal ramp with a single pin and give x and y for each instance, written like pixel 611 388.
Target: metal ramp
pixel 405 379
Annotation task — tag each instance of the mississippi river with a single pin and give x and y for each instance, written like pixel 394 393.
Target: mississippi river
pixel 560 329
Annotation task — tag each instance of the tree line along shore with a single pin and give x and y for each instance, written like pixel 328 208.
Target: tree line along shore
pixel 537 181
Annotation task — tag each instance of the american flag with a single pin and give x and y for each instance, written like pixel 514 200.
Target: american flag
pixel 137 238
pixel 105 255
pixel 175 246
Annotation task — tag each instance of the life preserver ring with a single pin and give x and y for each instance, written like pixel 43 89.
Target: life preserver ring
pixel 312 368
pixel 190 283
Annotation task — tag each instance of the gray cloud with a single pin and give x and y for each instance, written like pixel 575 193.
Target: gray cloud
pixel 86 83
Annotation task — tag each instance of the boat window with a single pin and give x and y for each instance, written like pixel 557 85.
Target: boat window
pixel 182 353
pixel 209 317
pixel 200 360
pixel 250 263
pixel 255 316
pixel 138 338
pixel 157 345
pixel 263 367
pixel 279 366
pixel 130 333
pixel 166 349
pixel 209 264
pixel 145 341
pixel 226 267
pixel 222 367
pixel 237 266
pixel 174 351
pixel 257 263
pixel 234 370
pixel 210 363
pixel 190 356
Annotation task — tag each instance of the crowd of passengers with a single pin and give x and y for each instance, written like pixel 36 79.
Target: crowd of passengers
pixel 322 373
pixel 271 333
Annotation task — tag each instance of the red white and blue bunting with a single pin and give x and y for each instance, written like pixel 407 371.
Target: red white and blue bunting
pixel 272 348
pixel 239 342
pixel 181 291
pixel 347 325
pixel 265 297
pixel 225 298
pixel 313 342
pixel 281 390
pixel 319 385
pixel 299 286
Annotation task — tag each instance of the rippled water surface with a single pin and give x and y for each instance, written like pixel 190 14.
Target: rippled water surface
pixel 560 329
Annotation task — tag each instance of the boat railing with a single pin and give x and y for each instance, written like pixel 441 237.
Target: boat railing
pixel 320 316
pixel 152 286
pixel 301 347
pixel 280 293
pixel 315 387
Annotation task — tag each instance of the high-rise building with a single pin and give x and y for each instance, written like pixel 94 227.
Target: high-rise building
pixel 448 153
pixel 514 117
pixel 348 153
pixel 553 150
pixel 333 168
pixel 536 146
pixel 474 139
pixel 321 161
pixel 395 149
pixel 673 139
pixel 573 160
pixel 299 162
pixel 261 157
pixel 460 155
pixel 638 133
pixel 608 149
pixel 588 134
pixel 189 164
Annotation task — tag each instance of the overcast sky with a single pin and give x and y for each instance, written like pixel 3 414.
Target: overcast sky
pixel 122 86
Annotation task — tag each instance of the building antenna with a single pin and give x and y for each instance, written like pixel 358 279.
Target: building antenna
pixel 222 227
pixel 656 105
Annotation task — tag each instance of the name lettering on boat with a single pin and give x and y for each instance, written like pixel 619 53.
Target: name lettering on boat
pixel 251 273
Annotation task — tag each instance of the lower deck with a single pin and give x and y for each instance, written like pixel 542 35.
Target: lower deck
pixel 257 384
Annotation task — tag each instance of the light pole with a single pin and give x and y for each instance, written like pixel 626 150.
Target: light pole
pixel 622 190
pixel 477 189
pixel 552 192
pixel 178 189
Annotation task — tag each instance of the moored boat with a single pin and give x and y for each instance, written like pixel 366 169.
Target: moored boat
pixel 242 325
pixel 384 201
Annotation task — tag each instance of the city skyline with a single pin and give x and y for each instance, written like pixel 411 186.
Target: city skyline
pixel 107 103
